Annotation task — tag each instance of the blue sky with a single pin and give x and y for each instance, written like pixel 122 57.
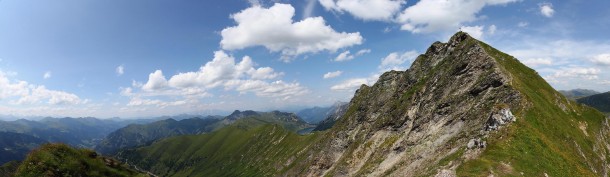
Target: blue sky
pixel 142 58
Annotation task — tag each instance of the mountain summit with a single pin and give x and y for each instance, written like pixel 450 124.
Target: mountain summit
pixel 462 109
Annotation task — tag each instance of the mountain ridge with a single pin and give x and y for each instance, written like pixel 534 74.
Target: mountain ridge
pixel 463 108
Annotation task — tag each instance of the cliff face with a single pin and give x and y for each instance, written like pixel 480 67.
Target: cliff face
pixel 433 117
pixel 409 120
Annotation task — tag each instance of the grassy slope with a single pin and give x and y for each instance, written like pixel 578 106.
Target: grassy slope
pixel 544 136
pixel 61 160
pixel 250 147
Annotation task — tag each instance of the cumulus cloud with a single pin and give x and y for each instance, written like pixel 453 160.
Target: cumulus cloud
pixel 222 68
pixel 547 10
pixel 46 75
pixel 396 60
pixel 21 93
pixel 602 59
pixel 274 29
pixel 332 74
pixel 221 72
pixel 441 15
pixel 381 10
pixel 574 72
pixel 346 56
pixel 156 81
pixel 120 70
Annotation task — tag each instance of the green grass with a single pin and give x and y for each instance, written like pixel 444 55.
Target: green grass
pixel 247 148
pixel 544 138
pixel 62 160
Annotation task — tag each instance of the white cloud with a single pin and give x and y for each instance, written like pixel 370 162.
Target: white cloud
pixel 23 93
pixel 547 10
pixel 274 29
pixel 350 84
pixel 222 72
pixel 474 31
pixel 46 75
pixel 442 15
pixel 362 52
pixel 561 52
pixel 396 61
pixel 222 68
pixel 120 70
pixel 332 74
pixel 346 56
pixel 156 81
pixel 381 10
pixel 522 24
pixel 602 59
pixel 534 62
pixel 574 72
pixel 277 89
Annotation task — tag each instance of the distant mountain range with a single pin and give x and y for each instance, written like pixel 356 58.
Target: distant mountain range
pixel 77 132
pixel 14 146
pixel 141 134
pixel 578 93
pixel 317 114
pixel 600 101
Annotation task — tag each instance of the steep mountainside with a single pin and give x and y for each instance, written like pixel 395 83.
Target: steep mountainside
pixel 15 146
pixel 463 108
pixel 578 93
pixel 332 118
pixel 62 160
pixel 600 101
pixel 79 132
pixel 317 114
pixel 137 135
pixel 226 152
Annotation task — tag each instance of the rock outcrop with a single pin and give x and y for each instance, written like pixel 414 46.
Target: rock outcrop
pixel 409 120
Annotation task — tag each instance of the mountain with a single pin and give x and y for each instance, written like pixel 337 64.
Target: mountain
pixel 62 160
pixel 140 134
pixel 578 93
pixel 224 152
pixel 317 114
pixel 290 121
pixel 600 101
pixel 462 109
pixel 78 132
pixel 332 118
pixel 15 146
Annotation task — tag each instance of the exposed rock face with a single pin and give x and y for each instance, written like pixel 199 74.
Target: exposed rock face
pixel 409 120
pixel 502 117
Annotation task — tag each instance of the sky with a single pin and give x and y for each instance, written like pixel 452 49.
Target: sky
pixel 138 58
